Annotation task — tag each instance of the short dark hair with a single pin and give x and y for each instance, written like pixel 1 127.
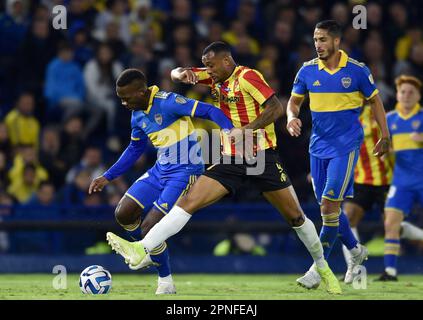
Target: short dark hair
pixel 129 75
pixel 217 47
pixel 333 28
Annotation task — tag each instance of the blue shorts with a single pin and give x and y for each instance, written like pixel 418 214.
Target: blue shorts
pixel 402 199
pixel 162 192
pixel 333 179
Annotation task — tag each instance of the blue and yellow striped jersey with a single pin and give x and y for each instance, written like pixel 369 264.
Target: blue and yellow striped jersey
pixel 168 125
pixel 336 97
pixel 408 169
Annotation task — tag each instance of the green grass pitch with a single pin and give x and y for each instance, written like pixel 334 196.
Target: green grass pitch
pixel 205 287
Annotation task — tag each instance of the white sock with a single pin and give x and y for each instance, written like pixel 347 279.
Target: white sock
pixel 411 232
pixel 356 250
pixel 170 224
pixel 167 279
pixel 308 235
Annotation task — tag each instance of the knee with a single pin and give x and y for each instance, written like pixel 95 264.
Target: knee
pixel 125 217
pixel 188 203
pixel 328 207
pixel 392 227
pixel 298 220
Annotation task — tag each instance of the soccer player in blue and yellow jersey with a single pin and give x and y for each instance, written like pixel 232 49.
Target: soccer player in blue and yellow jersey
pixel 165 119
pixel 337 86
pixel 245 97
pixel 406 127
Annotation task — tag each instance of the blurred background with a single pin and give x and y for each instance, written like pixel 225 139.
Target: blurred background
pixel 61 124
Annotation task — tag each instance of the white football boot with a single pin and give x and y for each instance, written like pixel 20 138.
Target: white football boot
pixel 355 261
pixel 311 279
pixel 165 287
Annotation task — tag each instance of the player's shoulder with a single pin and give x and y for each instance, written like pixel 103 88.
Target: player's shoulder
pixel 136 117
pixel 391 114
pixel 163 95
pixel 244 71
pixel 357 63
pixel 173 98
pixel 311 63
pixel 357 66
pixel 247 73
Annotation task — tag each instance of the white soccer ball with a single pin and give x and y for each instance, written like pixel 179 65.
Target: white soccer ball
pixel 95 280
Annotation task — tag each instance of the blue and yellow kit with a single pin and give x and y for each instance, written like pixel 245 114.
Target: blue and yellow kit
pixel 167 124
pixel 336 98
pixel 407 182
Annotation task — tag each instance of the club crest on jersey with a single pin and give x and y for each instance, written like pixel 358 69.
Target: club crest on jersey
pixel 158 118
pixel 346 82
pixel 415 124
pixel 180 100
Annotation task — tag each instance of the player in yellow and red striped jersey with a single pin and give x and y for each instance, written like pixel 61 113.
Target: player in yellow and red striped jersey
pixel 245 97
pixel 372 176
pixel 241 98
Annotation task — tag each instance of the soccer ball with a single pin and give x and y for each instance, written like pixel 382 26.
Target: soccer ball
pixel 95 280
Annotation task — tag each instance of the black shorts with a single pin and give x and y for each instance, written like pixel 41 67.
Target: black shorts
pixel 366 196
pixel 234 176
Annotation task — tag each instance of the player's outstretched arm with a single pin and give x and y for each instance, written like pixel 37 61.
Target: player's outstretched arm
pixel 382 146
pixel 207 111
pixel 293 123
pixel 125 161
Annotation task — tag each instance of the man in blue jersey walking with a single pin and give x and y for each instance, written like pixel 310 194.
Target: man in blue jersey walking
pixel 165 119
pixel 337 86
pixel 406 127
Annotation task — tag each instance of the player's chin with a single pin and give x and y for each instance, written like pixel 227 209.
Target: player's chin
pixel 322 56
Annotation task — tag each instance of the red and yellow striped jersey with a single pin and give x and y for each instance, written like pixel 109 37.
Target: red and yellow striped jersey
pixel 370 169
pixel 241 99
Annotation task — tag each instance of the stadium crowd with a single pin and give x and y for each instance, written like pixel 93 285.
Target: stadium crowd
pixel 61 124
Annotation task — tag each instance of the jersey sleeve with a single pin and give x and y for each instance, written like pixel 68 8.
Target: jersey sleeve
pixel 180 105
pixel 137 133
pixel 203 77
pixel 366 83
pixel 253 82
pixel 210 112
pixel 299 88
pixel 131 154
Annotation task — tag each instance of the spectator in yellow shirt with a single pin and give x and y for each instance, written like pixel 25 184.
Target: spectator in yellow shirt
pixel 26 174
pixel 22 126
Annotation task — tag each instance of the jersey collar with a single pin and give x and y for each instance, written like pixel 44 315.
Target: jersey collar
pixel 404 116
pixel 341 64
pixel 154 90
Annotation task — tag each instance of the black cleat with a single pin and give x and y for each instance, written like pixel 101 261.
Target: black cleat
pixel 386 277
